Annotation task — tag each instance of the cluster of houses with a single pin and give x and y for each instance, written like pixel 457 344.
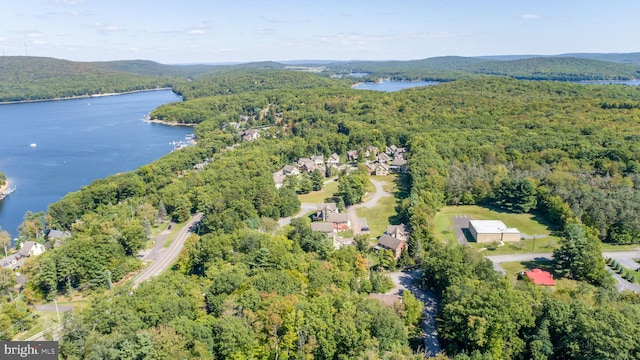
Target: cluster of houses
pixel 306 166
pixel 391 160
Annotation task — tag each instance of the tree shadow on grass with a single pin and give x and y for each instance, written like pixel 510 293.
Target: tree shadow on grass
pixel 403 189
pixel 542 264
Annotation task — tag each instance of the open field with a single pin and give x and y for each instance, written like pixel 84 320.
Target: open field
pixel 528 224
pixel 513 268
pixel 317 197
pixel 380 216
pixel 384 212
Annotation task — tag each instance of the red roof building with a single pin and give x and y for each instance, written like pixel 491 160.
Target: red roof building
pixel 540 277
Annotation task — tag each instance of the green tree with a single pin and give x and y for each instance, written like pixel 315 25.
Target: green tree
pixel 580 256
pixel 353 186
pixel 316 180
pixel 515 195
pixel 7 281
pixel 5 241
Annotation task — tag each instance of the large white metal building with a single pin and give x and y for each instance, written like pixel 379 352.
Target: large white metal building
pixel 486 231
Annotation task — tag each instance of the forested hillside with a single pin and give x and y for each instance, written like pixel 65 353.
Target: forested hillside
pixel 33 78
pixel 451 67
pixel 245 288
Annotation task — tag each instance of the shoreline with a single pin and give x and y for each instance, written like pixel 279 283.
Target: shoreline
pixel 81 96
pixel 168 123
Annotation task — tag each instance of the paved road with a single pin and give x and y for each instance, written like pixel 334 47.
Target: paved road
pixel 406 280
pixel 305 208
pixel 156 252
pixel 169 255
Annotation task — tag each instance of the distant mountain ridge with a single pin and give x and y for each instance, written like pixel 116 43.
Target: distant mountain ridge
pixel 25 78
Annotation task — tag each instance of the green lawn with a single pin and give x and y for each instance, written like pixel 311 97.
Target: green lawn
pixel 380 216
pixel 513 268
pixel 317 197
pixel 540 245
pixel 384 212
pixel 529 224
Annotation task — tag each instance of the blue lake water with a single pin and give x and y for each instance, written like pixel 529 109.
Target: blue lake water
pixel 390 86
pixel 77 141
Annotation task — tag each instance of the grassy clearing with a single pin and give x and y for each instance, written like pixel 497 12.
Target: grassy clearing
pixel 529 224
pixel 513 268
pixel 539 245
pixel 614 247
pixel 317 197
pixel 380 216
pixel 384 213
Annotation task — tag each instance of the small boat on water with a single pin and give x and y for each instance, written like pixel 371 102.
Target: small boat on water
pixel 9 191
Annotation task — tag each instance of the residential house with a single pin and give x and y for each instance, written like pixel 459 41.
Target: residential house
pixel 372 151
pixel 400 232
pixel 352 155
pixel 318 160
pixel 382 169
pixel 383 158
pixel 306 165
pixel 30 248
pixel 328 229
pixel 333 160
pixel 396 246
pixel 371 167
pixel 250 135
pixel 340 222
pixel 324 227
pixel 57 237
pixel 399 164
pixel 323 211
pixel 290 170
pixel 391 150
pixel 400 151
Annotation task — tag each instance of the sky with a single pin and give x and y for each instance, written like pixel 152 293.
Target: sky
pixel 217 31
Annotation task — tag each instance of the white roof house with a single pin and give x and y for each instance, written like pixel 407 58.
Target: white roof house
pixel 492 230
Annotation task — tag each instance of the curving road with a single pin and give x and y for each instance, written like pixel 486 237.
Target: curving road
pixel 407 280
pixel 169 255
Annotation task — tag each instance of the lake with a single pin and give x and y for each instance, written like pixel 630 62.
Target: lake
pixel 75 142
pixel 390 86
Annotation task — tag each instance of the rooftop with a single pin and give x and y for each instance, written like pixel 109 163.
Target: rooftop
pixel 540 277
pixel 492 227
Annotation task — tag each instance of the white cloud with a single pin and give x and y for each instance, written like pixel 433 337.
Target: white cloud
pixel 530 16
pixel 197 32
pixel 35 35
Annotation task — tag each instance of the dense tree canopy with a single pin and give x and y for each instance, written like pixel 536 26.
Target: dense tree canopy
pixel 239 290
